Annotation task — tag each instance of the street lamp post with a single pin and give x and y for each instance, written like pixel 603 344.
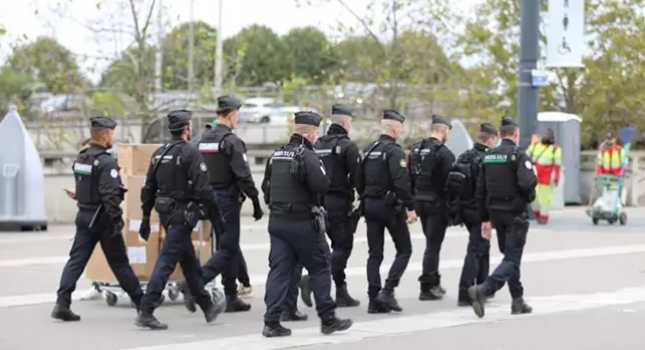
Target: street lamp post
pixel 529 53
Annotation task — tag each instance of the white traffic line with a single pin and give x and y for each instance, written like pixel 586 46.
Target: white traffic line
pixel 35 239
pixel 415 266
pixel 251 247
pixel 393 326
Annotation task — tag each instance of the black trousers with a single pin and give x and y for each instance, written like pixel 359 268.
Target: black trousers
pixel 226 260
pixel 476 262
pixel 295 242
pixel 512 230
pixel 341 235
pixel 434 220
pixel 178 248
pixel 380 216
pixel 115 253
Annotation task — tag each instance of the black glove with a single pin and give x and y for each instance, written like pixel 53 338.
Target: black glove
pixel 257 209
pixel 144 229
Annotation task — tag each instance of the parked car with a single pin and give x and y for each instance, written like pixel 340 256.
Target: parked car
pixel 258 109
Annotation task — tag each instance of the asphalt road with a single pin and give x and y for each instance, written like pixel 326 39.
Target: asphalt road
pixel 586 284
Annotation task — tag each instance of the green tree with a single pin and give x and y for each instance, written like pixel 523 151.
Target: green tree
pixel 310 55
pixel 47 61
pixel 175 58
pixel 257 56
pixel 14 89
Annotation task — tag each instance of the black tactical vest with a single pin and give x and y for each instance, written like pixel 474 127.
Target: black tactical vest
pixel 376 173
pixel 86 175
pixel 330 151
pixel 171 174
pixel 216 158
pixel 468 164
pixel 423 160
pixel 502 190
pixel 286 187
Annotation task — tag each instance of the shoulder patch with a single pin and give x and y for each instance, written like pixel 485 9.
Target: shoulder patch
pixel 528 165
pixel 96 162
pixel 202 167
pixel 403 163
pixel 246 159
pixel 114 173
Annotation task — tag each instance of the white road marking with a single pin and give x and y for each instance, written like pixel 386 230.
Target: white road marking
pixel 393 326
pixel 260 279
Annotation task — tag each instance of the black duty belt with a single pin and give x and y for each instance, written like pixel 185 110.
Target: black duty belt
pixel 88 206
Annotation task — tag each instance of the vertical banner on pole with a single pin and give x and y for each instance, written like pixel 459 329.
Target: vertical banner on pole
pixel 565 33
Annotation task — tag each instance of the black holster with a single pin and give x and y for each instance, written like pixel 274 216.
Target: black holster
pixel 320 219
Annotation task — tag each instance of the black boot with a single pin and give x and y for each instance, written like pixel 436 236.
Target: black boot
pixel 375 307
pixel 519 306
pixel 430 293
pixel 386 297
pixel 343 299
pixel 293 316
pixel 147 320
pixel 478 300
pixel 335 324
pixel 63 313
pixel 463 300
pixel 235 304
pixel 305 291
pixel 275 329
pixel 213 311
pixel 189 301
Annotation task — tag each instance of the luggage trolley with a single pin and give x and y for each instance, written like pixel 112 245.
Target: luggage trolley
pixel 609 205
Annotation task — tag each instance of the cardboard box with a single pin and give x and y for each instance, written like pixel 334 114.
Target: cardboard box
pixel 142 256
pixel 132 202
pixel 134 159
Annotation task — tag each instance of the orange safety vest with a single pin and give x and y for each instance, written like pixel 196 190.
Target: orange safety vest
pixel 610 160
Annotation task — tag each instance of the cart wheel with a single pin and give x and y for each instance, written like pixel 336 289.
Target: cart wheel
pixel 173 294
pixel 623 219
pixel 111 299
pixel 595 221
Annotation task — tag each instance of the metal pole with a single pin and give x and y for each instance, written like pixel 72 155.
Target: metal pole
pixel 529 53
pixel 191 43
pixel 159 52
pixel 219 53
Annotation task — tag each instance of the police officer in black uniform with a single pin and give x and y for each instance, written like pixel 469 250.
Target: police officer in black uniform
pixel 230 176
pixel 342 161
pixel 384 186
pixel 99 193
pixel 294 183
pixel 505 189
pixel 462 185
pixel 177 187
pixel 430 163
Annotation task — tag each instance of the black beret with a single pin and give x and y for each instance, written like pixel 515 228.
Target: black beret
pixel 308 118
pixel 179 119
pixel 437 119
pixel 508 121
pixel 102 123
pixel 488 128
pixel 393 115
pixel 228 102
pixel 342 110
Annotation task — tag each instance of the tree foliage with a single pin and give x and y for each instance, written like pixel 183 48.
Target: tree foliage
pixel 47 61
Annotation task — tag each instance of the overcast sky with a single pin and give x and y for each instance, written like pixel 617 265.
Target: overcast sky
pixel 28 19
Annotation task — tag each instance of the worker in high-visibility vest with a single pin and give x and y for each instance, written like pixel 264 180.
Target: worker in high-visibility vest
pixel 547 159
pixel 611 157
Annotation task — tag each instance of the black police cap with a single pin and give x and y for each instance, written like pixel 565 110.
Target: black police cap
pixel 102 123
pixel 488 128
pixel 508 121
pixel 338 109
pixel 393 115
pixel 228 102
pixel 308 118
pixel 439 120
pixel 179 119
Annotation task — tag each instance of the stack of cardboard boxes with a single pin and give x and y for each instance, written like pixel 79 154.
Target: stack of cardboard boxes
pixel 134 161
